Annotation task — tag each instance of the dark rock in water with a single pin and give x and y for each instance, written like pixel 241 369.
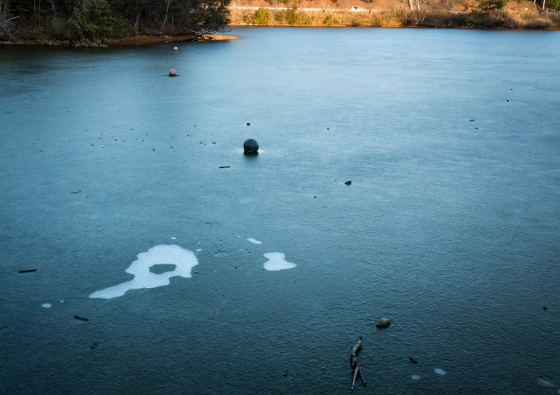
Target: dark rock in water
pixel 383 323
pixel 80 318
pixel 472 120
pixel 251 147
pixel 348 182
pixel 412 360
pixel 34 270
pixel 544 308
pixel 248 124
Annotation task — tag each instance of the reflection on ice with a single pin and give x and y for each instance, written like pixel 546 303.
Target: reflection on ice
pixel 546 383
pixel 183 259
pixel 277 261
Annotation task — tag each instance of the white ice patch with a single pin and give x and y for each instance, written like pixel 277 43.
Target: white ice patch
pixel 173 238
pixel 46 305
pixel 439 371
pixel 546 383
pixel 184 261
pixel 254 241
pixel 277 262
pixel 415 377
pixel 199 249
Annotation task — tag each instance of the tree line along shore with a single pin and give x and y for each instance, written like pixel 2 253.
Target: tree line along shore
pixel 110 22
pixel 127 22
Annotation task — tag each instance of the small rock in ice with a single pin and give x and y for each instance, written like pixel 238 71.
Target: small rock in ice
pixel 383 323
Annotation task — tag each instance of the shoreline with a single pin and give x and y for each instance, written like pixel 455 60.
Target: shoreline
pixel 139 39
pixel 142 39
pixel 400 27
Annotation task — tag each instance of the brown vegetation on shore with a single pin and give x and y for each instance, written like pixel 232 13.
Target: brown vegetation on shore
pixel 494 19
pixel 515 14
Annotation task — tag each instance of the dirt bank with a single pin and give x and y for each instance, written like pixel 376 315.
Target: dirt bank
pixel 123 42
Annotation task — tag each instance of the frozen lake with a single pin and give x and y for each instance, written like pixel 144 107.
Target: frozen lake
pixel 258 278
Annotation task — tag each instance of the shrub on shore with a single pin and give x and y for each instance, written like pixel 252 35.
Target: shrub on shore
pixel 293 17
pixel 263 16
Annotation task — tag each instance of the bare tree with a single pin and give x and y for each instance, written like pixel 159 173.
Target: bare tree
pixel 166 13
pixel 6 25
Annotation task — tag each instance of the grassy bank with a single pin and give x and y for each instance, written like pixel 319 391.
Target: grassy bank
pixel 401 18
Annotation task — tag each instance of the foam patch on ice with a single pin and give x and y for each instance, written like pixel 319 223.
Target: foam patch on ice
pixel 184 261
pixel 415 377
pixel 254 241
pixel 439 371
pixel 277 261
pixel 46 305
